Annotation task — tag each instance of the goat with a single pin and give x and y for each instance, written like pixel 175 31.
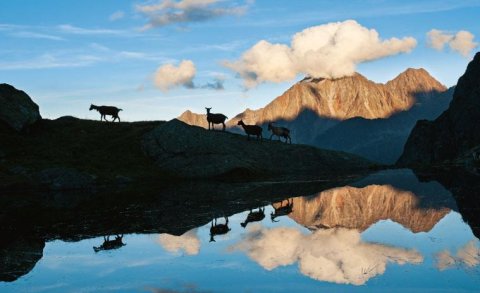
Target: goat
pixel 110 244
pixel 254 217
pixel 282 210
pixel 107 110
pixel 251 130
pixel 218 229
pixel 280 132
pixel 213 119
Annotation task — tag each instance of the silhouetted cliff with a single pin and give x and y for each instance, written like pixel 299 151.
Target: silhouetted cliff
pixel 456 132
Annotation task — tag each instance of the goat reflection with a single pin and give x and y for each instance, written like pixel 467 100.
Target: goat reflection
pixel 254 217
pixel 282 210
pixel 218 229
pixel 110 244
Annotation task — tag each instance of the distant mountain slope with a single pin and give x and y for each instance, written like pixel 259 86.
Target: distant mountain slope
pixel 194 119
pixel 382 140
pixel 455 132
pixel 352 113
pixel 347 97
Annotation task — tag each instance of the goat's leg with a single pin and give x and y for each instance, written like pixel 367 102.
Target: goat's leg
pixel 223 126
pixel 271 136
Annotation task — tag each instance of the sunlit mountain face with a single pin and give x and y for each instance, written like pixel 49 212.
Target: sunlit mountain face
pixel 387 229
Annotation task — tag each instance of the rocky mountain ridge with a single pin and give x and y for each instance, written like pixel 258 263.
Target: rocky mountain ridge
pixel 350 114
pixel 454 134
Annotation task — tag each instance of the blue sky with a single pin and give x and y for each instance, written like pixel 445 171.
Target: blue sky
pixel 67 54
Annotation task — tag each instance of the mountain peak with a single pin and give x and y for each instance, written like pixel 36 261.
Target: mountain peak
pixel 192 118
pixel 415 81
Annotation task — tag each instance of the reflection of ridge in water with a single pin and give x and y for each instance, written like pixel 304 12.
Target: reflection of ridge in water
pixel 359 208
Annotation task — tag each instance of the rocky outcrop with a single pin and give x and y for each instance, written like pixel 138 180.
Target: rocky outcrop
pixel 17 110
pixel 194 119
pixel 190 151
pixel 359 208
pixel 18 257
pixel 455 132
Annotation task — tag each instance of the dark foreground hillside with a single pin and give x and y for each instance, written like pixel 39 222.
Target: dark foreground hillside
pixel 70 153
pixel 79 151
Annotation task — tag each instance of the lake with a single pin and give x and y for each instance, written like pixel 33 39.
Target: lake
pixel 393 230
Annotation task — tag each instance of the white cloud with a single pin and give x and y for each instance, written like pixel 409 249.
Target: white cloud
pixel 188 242
pixel 461 42
pixel 331 50
pixel 33 35
pixel 169 76
pixel 67 28
pixel 117 15
pixel 168 11
pixel 467 256
pixel 333 255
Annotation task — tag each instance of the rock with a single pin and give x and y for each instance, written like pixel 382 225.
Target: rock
pixel 65 179
pixel 17 110
pixel 453 133
pixel 19 256
pixel 193 152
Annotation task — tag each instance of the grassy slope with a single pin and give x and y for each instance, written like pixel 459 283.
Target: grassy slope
pixel 100 148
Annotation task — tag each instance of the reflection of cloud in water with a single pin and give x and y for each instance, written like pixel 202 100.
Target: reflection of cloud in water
pixel 188 242
pixel 333 255
pixel 467 256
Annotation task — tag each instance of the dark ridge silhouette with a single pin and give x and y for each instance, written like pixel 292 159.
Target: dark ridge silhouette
pixel 110 244
pixel 251 130
pixel 465 188
pixel 213 119
pixel 252 216
pixel 107 110
pixel 218 229
pixel 279 132
pixel 282 210
pixel 454 135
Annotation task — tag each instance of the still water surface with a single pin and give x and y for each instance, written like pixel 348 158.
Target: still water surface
pixel 387 232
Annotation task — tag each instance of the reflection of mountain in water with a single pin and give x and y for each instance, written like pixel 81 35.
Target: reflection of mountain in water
pixel 359 208
pixel 31 220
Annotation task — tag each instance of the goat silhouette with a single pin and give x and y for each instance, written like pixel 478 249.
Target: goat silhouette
pixel 218 229
pixel 280 132
pixel 106 110
pixel 110 244
pixel 251 130
pixel 282 210
pixel 213 118
pixel 254 217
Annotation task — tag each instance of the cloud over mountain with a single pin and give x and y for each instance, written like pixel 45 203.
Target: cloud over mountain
pixel 331 50
pixel 169 12
pixel 461 42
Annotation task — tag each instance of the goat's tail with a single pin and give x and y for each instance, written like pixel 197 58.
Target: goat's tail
pixel 120 110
